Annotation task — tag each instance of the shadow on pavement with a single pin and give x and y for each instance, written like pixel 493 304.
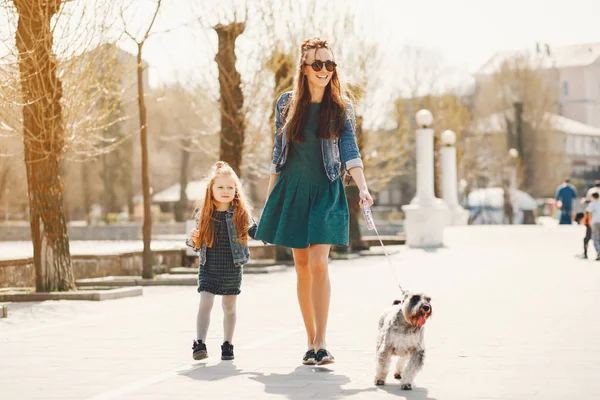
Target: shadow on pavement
pixel 416 394
pixel 302 383
pixel 305 382
pixel 206 372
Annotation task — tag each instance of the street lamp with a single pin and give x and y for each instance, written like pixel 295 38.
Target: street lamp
pixel 424 118
pixel 425 216
pixel 448 138
pixel 458 216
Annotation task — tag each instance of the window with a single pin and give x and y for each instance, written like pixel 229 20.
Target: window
pixel 565 88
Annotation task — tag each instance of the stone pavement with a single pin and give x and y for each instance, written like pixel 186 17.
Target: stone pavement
pixel 514 318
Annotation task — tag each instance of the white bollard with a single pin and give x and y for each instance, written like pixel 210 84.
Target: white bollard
pixel 426 216
pixel 458 215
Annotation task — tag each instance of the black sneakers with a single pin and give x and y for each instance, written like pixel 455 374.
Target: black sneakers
pixel 199 350
pixel 324 357
pixel 227 351
pixel 310 358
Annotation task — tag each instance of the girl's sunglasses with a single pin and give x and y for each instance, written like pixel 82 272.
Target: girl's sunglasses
pixel 317 65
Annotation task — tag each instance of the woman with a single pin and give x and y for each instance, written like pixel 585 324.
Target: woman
pixel 306 207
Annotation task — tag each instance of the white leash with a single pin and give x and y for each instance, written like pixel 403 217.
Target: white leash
pixel 371 226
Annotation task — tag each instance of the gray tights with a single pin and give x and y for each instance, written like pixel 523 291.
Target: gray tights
pixel 203 321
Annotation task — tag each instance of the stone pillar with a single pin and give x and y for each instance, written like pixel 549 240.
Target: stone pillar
pixel 426 216
pixel 458 215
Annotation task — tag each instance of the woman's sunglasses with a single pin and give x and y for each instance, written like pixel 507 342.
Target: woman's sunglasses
pixel 317 65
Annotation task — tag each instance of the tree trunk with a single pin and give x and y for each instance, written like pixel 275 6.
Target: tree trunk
pixel 85 183
pixel 106 187
pixel 523 156
pixel 282 65
pixel 43 138
pixel 128 178
pixel 182 204
pixel 232 98
pixel 147 225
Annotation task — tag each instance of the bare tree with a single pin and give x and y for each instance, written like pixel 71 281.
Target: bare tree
pixel 517 101
pixel 188 121
pixel 147 259
pixel 425 82
pixel 47 79
pixel 43 138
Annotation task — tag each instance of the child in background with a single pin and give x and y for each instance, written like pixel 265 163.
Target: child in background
pixel 583 218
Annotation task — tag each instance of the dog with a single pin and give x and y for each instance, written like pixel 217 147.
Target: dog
pixel 401 334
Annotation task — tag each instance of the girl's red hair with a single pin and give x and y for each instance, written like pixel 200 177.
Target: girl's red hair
pixel 206 206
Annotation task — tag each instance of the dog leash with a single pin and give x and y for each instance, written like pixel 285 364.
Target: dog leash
pixel 371 226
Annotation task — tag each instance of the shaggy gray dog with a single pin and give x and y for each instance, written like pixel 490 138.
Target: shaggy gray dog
pixel 401 334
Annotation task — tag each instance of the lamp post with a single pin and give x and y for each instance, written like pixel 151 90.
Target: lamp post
pixel 458 215
pixel 510 196
pixel 514 155
pixel 426 216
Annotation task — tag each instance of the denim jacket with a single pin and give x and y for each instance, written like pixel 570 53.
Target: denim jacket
pixel 240 251
pixel 336 151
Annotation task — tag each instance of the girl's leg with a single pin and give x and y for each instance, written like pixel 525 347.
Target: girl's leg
pixel 304 289
pixel 321 290
pixel 229 317
pixel 203 320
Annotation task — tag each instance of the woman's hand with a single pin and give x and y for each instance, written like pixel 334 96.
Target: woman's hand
pixel 365 198
pixel 359 178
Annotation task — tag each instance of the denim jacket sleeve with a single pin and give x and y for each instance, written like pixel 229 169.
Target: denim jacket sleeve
pixel 348 148
pixel 281 103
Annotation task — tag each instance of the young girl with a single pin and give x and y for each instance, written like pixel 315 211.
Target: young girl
pixel 221 241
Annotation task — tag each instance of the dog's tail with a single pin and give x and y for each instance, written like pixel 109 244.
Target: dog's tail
pixel 397 302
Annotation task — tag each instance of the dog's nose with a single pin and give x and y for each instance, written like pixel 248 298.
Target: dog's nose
pixel 426 308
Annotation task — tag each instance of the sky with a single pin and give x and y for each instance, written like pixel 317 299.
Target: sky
pixel 469 32
pixel 463 33
pixel 466 33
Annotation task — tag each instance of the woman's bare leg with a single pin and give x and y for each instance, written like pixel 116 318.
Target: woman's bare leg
pixel 321 291
pixel 304 289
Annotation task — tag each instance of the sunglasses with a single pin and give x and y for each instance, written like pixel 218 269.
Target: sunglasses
pixel 317 65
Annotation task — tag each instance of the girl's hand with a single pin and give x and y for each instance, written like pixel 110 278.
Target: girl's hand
pixel 365 198
pixel 195 236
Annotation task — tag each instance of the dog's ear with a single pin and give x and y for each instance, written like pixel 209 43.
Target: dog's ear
pixel 397 302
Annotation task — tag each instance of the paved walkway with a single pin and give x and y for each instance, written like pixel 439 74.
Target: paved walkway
pixel 18 250
pixel 514 318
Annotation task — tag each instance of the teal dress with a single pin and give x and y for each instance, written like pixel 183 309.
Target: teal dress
pixel 305 207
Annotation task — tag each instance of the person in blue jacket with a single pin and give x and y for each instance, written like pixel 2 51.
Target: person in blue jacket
pixel 566 193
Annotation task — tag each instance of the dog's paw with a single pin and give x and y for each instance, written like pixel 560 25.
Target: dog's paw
pixel 379 382
pixel 406 386
pixel 397 375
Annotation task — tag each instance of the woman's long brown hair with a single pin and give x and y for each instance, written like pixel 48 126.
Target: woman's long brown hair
pixel 241 206
pixel 333 105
